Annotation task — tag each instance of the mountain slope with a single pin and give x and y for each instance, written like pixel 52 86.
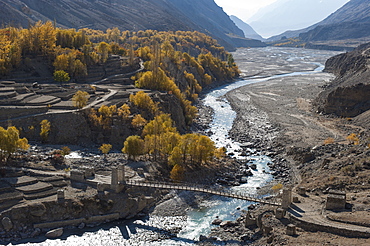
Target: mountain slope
pixel 164 15
pixel 214 21
pixel 292 15
pixel 249 32
pixel 353 11
pixel 352 21
pixel 93 14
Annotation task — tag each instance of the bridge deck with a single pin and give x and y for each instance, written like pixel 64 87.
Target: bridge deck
pixel 170 186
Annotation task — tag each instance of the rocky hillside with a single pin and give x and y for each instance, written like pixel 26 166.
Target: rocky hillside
pixel 164 15
pixel 348 94
pixel 283 15
pixel 350 22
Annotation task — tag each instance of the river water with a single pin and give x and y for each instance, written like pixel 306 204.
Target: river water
pixel 258 65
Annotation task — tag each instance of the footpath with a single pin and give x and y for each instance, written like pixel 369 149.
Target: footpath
pixel 309 214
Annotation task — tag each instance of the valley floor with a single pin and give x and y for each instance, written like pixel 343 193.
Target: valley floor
pixel 278 115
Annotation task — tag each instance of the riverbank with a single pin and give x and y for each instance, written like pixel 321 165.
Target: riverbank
pixel 276 118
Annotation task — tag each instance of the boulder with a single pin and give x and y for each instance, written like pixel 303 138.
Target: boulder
pixel 37 209
pixel 202 238
pixel 248 173
pixel 246 237
pixel 243 180
pixel 228 223
pixel 217 222
pixel 54 233
pixel 81 226
pixel 7 223
pixel 36 232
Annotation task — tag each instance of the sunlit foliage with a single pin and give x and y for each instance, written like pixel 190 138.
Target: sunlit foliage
pixel 10 143
pixel 133 147
pixel 353 139
pixel 124 111
pixel 138 121
pixel 61 76
pixel 45 130
pixel 144 101
pixel 105 148
pixel 80 99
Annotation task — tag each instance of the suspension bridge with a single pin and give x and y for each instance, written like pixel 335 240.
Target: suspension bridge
pixel 187 187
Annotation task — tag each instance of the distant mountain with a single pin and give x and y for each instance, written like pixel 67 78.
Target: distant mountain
pixel 352 21
pixel 200 15
pixel 286 15
pixel 249 32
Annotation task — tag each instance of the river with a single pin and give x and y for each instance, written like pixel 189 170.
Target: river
pixel 257 65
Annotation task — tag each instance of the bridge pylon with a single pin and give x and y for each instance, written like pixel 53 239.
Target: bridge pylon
pixel 287 198
pixel 118 178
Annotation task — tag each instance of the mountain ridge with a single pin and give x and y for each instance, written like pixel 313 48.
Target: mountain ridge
pixel 133 15
pixel 285 15
pixel 351 21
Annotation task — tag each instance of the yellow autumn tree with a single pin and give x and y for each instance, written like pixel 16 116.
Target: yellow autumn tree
pixel 105 148
pixel 203 149
pixel 103 50
pixel 61 62
pixel 124 111
pixel 138 121
pixel 192 149
pixel 106 115
pixel 45 130
pixel 144 101
pixel 154 133
pixel 160 124
pixel 177 173
pixel 61 76
pixel 10 143
pixel 80 99
pixel 133 147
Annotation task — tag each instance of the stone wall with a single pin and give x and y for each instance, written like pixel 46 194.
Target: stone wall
pixel 66 128
pixel 109 206
pixel 330 229
pixel 15 112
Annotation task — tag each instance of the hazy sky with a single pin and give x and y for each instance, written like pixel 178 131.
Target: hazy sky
pixel 244 9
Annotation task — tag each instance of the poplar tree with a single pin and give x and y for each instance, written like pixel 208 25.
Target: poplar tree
pixel 10 143
pixel 80 99
pixel 45 130
pixel 133 147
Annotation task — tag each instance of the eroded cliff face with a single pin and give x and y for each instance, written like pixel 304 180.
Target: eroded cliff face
pixel 347 101
pixel 348 95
